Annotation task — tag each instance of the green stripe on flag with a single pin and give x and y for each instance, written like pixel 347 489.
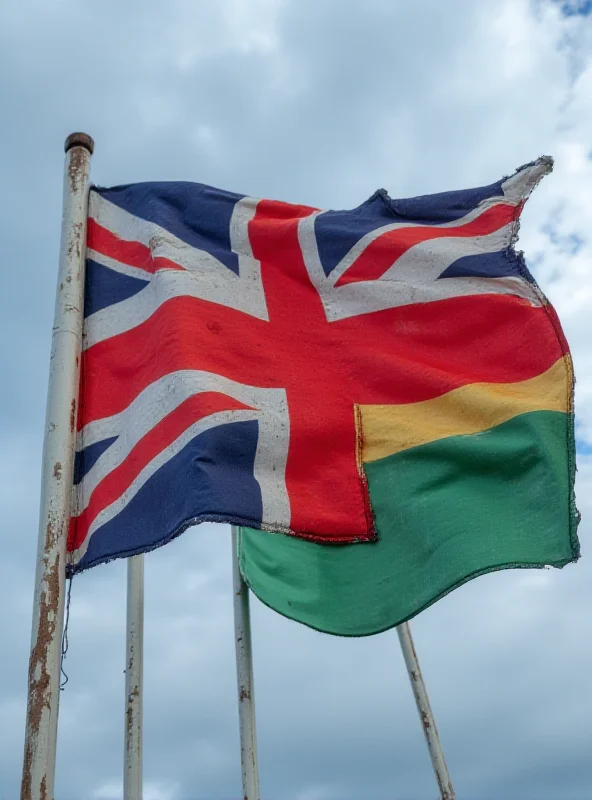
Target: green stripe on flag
pixel 446 512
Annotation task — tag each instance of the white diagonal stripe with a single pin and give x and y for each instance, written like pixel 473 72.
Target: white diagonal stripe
pixel 160 460
pixel 151 406
pixel 413 277
pixel 518 186
pixel 370 296
pixel 156 402
pixel 205 277
pixel 359 247
pixel 427 260
pixel 117 266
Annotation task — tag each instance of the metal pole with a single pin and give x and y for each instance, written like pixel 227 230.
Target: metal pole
pixel 132 764
pixel 56 480
pixel 244 674
pixel 425 712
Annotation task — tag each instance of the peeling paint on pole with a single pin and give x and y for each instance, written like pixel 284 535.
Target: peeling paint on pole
pixel 244 676
pixel 56 482
pixel 134 662
pixel 425 713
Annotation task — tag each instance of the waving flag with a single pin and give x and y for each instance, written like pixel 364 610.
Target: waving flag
pixel 283 368
pixel 471 468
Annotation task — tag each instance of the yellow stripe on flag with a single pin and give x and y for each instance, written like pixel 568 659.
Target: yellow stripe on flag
pixel 469 409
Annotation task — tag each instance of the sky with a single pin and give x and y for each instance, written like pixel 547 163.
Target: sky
pixel 318 102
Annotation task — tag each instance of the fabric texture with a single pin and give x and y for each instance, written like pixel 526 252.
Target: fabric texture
pixel 472 473
pixel 446 512
pixel 262 363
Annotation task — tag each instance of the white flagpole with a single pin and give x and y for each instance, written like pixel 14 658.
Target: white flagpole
pixel 425 713
pixel 134 662
pixel 56 480
pixel 244 675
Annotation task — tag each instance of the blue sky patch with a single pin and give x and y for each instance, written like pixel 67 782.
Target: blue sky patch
pixel 575 8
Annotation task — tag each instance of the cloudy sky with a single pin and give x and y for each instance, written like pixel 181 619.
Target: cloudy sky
pixel 319 102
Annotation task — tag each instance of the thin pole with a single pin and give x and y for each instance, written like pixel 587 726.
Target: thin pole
pixel 132 762
pixel 244 675
pixel 425 713
pixel 56 480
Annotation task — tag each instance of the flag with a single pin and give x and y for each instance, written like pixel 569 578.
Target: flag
pixel 470 469
pixel 275 366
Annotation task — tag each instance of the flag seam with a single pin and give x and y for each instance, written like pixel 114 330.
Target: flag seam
pixel 369 513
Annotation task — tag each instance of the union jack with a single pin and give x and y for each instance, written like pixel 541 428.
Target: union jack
pixel 228 342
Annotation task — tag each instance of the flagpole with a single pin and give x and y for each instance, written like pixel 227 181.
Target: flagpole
pixel 244 675
pixel 425 713
pixel 134 662
pixel 56 480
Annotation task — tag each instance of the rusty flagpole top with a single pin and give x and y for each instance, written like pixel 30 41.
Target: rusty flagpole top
pixel 79 139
